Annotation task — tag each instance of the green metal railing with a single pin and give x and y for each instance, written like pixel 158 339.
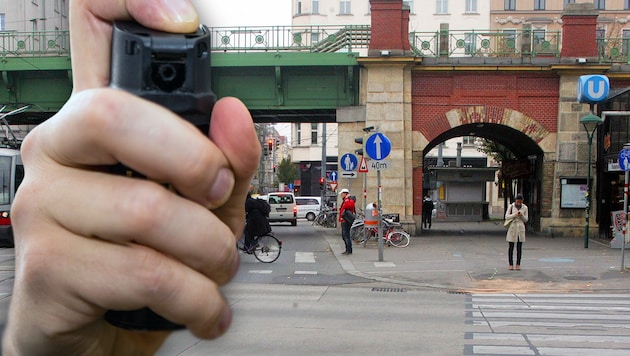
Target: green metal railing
pixel 485 43
pixel 36 44
pixel 327 39
pixel 614 50
pixel 290 38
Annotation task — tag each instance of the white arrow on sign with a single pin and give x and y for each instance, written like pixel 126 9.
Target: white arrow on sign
pixel 352 174
pixel 377 143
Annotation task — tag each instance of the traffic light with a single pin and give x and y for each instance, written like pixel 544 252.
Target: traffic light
pixel 359 140
pixel 321 183
pixel 270 145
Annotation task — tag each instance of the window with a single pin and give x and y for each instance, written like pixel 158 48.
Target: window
pixel 314 37
pixel 315 7
pixel 469 43
pixel 2 23
pixel 298 133
pixel 471 6
pixel 344 7
pixel 626 5
pixel 313 134
pixel 539 4
pixel 626 38
pixel 600 37
pixel 600 4
pixel 538 37
pixel 298 8
pixel 510 5
pixel 441 7
pixel 567 2
pixel 468 140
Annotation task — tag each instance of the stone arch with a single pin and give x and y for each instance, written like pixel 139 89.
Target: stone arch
pixel 527 138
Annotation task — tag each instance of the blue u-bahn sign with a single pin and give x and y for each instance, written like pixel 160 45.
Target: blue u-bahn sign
pixel 592 89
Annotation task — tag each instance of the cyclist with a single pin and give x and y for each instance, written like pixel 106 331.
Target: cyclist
pixel 256 223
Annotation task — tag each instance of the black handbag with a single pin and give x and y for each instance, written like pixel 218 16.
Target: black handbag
pixel 348 216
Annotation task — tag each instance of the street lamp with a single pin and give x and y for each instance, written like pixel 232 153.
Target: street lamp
pixel 590 123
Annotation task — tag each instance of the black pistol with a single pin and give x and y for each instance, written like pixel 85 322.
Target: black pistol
pixel 173 70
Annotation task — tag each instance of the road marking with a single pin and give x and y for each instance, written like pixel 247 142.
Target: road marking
pixel 260 271
pixel 384 264
pixel 306 272
pixel 304 257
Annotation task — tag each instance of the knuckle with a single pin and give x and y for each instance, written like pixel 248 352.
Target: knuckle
pixel 155 275
pixel 146 207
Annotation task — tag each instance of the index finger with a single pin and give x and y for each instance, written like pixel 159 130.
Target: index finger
pixel 91 31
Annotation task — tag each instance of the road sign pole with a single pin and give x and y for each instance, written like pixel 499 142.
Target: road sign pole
pixel 625 223
pixel 364 191
pixel 380 218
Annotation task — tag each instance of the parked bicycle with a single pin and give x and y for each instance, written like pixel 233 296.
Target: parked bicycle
pixel 327 217
pixel 267 248
pixel 393 234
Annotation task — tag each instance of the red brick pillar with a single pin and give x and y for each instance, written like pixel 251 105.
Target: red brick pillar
pixel 390 29
pixel 579 30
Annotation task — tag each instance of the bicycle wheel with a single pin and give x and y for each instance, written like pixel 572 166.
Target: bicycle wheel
pixel 268 249
pixel 398 238
pixel 357 234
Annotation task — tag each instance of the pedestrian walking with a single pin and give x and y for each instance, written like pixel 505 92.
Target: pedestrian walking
pixel 427 211
pixel 346 214
pixel 517 215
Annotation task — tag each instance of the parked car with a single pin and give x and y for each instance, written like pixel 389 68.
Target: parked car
pixel 283 207
pixel 308 207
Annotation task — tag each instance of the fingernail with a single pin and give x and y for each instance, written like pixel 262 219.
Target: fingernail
pixel 222 186
pixel 179 11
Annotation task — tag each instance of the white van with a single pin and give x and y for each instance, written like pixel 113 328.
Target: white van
pixel 308 207
pixel 283 207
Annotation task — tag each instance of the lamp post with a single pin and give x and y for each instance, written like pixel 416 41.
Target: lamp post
pixel 590 123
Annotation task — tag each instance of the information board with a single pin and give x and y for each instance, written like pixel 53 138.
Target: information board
pixel 573 193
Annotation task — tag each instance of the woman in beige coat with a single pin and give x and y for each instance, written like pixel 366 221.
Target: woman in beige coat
pixel 517 212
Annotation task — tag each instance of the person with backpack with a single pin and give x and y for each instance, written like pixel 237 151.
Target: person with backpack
pixel 256 223
pixel 346 217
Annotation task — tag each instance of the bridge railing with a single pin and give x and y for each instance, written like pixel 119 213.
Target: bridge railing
pixel 36 43
pixel 290 38
pixel 460 43
pixel 614 50
pixel 486 43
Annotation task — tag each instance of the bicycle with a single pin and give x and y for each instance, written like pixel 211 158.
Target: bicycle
pixel 326 218
pixel 267 250
pixel 393 234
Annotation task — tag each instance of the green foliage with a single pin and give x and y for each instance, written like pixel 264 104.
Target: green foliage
pixel 287 171
pixel 493 149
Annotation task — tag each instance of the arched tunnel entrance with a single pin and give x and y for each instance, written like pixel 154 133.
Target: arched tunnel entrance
pixel 478 187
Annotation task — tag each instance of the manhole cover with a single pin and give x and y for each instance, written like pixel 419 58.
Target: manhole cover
pixel 388 290
pixel 580 278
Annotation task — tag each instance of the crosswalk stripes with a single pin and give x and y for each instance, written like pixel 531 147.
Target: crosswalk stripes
pixel 300 257
pixel 548 324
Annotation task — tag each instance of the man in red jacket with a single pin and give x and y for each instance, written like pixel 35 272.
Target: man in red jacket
pixel 347 204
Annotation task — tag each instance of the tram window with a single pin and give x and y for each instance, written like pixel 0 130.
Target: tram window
pixel 5 180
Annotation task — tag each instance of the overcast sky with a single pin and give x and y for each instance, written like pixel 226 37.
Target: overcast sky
pixel 224 13
pixel 219 13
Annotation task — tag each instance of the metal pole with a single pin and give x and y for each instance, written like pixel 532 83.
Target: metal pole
pixel 380 218
pixel 322 194
pixel 588 188
pixel 625 223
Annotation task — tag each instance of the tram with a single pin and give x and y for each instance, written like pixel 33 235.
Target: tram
pixel 11 175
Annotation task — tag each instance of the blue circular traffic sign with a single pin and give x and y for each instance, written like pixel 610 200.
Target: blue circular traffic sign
pixel 378 146
pixel 348 162
pixel 624 159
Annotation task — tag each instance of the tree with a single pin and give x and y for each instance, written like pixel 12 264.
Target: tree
pixel 287 171
pixel 499 153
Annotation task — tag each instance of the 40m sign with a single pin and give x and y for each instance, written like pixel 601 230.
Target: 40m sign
pixel 380 165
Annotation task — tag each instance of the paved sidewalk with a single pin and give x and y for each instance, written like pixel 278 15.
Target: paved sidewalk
pixel 467 257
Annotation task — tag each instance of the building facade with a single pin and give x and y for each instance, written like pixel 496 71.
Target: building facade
pixel 34 15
